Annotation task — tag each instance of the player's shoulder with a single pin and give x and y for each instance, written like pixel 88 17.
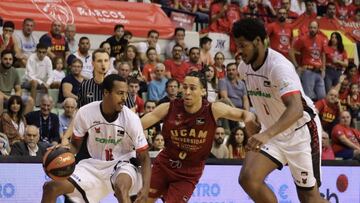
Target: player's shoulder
pixel 90 108
pixel 129 114
pixel 278 61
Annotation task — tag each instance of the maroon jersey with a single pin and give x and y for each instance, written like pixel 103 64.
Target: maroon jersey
pixel 188 137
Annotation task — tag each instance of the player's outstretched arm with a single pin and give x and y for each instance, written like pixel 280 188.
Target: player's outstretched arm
pixel 145 163
pixel 155 116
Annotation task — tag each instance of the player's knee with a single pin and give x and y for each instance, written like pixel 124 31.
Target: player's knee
pixel 247 180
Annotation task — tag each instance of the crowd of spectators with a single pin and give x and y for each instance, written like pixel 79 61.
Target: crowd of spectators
pixel 57 61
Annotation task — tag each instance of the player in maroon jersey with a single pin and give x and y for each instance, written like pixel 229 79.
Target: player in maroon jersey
pixel 188 130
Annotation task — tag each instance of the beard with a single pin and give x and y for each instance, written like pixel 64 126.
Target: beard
pixel 255 55
pixel 219 141
pixel 5 66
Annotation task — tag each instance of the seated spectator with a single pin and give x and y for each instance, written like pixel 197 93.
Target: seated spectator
pixel 343 88
pixel 70 107
pixel 329 110
pixel 30 146
pixel 345 139
pixel 352 73
pixel 47 122
pixel 149 67
pixel 327 151
pixel 70 85
pixel 236 143
pixel 131 56
pixel 83 53
pixel 233 87
pixel 353 101
pixel 12 122
pixel 4 145
pixel 194 63
pixel 336 60
pixel 10 81
pixel 156 88
pixel 219 150
pixel 134 86
pixel 212 84
pixel 58 73
pixel 176 67
pixel 219 66
pixel 155 129
pixel 27 40
pixel 8 41
pixel 39 71
pixel 158 143
pixel 152 41
pixel 117 41
pixel 70 32
pixel 106 46
pixel 192 7
pixel 172 91
pixel 205 55
pixel 179 38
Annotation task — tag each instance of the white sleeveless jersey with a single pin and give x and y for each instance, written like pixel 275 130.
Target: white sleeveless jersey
pixel 275 78
pixel 118 140
pixel 27 44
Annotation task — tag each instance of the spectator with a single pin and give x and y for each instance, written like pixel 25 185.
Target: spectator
pixel 336 60
pixel 343 88
pixel 134 87
pixel 345 139
pixel 233 88
pixel 12 122
pixel 292 16
pixel 219 149
pixel 55 42
pixel 124 69
pixel 58 73
pixel 321 7
pixel 236 143
pixel 343 11
pixel 85 56
pixel 131 55
pixel 27 40
pixel 47 122
pixel 212 84
pixel 329 110
pixel 353 101
pixel 31 145
pixel 205 55
pixel 193 7
pixel 10 80
pixel 156 128
pixel 179 38
pixel 70 107
pixel 39 71
pixel 117 41
pixel 280 33
pixel 172 91
pixel 353 74
pixel 70 85
pixel 149 67
pixel 156 88
pixel 219 65
pixel 152 39
pixel 327 151
pixel 70 32
pixel 329 21
pixel 175 67
pixel 8 41
pixel 194 63
pixel 308 16
pixel 311 69
pixel 157 143
pixel 262 10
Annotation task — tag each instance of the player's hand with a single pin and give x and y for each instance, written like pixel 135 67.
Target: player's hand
pixel 142 195
pixel 255 142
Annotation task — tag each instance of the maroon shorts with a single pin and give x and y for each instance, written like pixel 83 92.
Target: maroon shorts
pixel 174 180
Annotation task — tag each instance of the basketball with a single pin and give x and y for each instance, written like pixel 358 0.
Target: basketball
pixel 342 183
pixel 59 163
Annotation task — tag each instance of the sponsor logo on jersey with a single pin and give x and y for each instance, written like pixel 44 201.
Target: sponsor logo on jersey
pixel 200 121
pixel 267 83
pixel 120 133
pixel 189 133
pixel 258 93
pixel 97 130
pixel 107 140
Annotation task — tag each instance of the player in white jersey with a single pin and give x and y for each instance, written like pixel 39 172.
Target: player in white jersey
pixel 115 139
pixel 291 128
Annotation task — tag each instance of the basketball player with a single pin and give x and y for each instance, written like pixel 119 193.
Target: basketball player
pixel 188 130
pixel 291 129
pixel 115 137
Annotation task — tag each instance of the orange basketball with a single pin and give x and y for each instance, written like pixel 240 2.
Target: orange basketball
pixel 59 163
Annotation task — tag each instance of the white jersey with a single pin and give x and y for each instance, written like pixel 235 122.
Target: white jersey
pixel 87 70
pixel 27 44
pixel 117 140
pixel 274 79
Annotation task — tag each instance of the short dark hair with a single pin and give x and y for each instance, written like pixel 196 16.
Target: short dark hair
pixel 117 26
pixel 127 32
pixel 193 48
pixel 99 51
pixel 249 28
pixel 102 44
pixel 204 40
pixel 109 80
pixel 171 80
pixel 41 46
pixel 200 76
pixel 177 45
pixel 152 31
pixel 150 101
pixel 9 24
pixel 149 49
pixel 330 4
pixel 230 64
pixel 179 29
pixel 83 38
pixel 6 51
pixel 28 19
pixel 133 80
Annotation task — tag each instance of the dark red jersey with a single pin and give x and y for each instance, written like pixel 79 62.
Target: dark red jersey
pixel 188 137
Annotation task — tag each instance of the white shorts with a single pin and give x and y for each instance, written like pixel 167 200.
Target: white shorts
pixel 93 179
pixel 301 150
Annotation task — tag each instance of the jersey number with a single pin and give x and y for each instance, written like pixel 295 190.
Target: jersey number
pixel 109 155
